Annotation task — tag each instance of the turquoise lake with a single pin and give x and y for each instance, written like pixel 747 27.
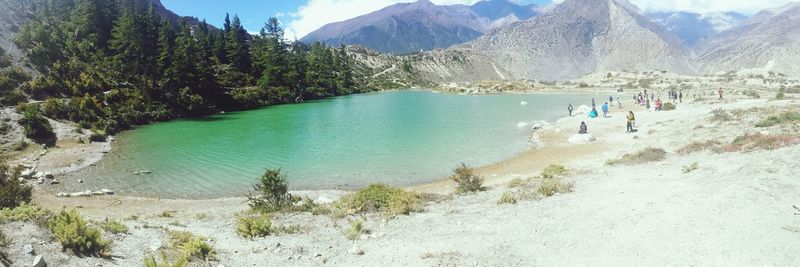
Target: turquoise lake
pixel 397 138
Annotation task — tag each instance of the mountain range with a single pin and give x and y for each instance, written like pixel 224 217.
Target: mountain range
pixel 578 37
pixel 422 26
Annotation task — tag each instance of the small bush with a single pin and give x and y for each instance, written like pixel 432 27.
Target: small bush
pixel 668 106
pixel 751 93
pixel 12 192
pixel 786 117
pixel 165 262
pixel 166 214
pixel 191 246
pixel 697 146
pixel 114 227
pixel 271 193
pixel 71 230
pixel 553 171
pixel 36 126
pixel 689 168
pixel 647 155
pixel 19 146
pixel 517 182
pixel 550 187
pixel 23 212
pixel 98 136
pixel 507 198
pixel 720 115
pixel 252 227
pixel 4 128
pixel 781 93
pixel 356 230
pixel 378 197
pixel 466 179
pixel 758 141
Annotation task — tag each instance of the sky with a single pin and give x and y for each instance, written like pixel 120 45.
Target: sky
pixel 301 17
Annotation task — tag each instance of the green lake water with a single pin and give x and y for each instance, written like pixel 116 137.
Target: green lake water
pixel 397 138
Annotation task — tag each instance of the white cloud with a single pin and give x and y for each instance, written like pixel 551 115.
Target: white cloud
pixel 703 6
pixel 317 13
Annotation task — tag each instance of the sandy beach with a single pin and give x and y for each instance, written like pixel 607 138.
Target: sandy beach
pixel 734 209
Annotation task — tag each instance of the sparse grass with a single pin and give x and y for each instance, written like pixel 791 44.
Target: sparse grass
pixel 378 197
pixel 751 93
pixel 191 246
pixel 758 141
pixel 647 155
pixel 114 226
pixel 721 115
pixel 356 230
pixel 668 106
pixel 466 179
pixel 550 187
pixel 165 262
pixel 254 226
pixel 133 217
pixel 517 182
pixel 507 198
pixel 201 216
pixel 167 214
pixel 71 230
pixel 697 146
pixel 689 168
pixel 553 171
pixel 4 240
pixel 783 118
pixel 19 146
pixel 24 212
pixel 288 229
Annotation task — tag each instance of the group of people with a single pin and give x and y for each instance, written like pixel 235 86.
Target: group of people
pixel 631 119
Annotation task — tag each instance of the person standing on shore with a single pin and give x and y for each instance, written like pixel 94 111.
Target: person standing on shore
pixel 720 93
pixel 569 108
pixel 611 100
pixel 619 102
pixel 680 96
pixel 593 105
pixel 605 110
pixel 631 120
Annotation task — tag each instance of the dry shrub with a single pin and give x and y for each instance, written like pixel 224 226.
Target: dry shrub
pixel 647 155
pixel 758 141
pixel 553 171
pixel 786 117
pixel 467 180
pixel 507 198
pixel 550 187
pixel 698 146
pixel 721 115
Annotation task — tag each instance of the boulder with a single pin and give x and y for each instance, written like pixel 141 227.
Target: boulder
pixel 522 124
pixel 40 181
pixel 81 194
pixel 107 191
pixel 28 249
pixel 523 103
pixel 55 182
pixel 39 262
pixel 323 200
pixel 581 139
pixel 28 173
pixel 539 125
pixel 583 109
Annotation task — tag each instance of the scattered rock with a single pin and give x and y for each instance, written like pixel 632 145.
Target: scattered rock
pixel 323 200
pixel 522 124
pixel 581 139
pixel 523 103
pixel 141 172
pixel 28 173
pixel 80 181
pixel 28 249
pixel 40 181
pixel 54 182
pixel 39 262
pixel 356 251
pixel 62 195
pixel 81 194
pixel 107 191
pixel 49 175
pixel 539 125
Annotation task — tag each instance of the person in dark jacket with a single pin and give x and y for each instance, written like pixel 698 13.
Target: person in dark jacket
pixel 583 129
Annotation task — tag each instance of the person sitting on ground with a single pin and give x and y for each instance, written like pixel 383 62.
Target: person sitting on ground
pixel 593 113
pixel 605 110
pixel 631 120
pixel 583 129
pixel 658 104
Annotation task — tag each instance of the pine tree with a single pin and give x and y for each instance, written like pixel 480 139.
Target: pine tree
pixel 272 60
pixel 344 75
pixel 127 47
pixel 238 51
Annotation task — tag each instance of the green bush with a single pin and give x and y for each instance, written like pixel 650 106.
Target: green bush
pixel 378 197
pixel 36 126
pixel 191 246
pixel 24 212
pixel 786 117
pixel 668 106
pixel 165 262
pixel 553 171
pixel 689 168
pixel 466 179
pixel 12 192
pixel 781 93
pixel 271 193
pixel 507 198
pixel 98 136
pixel 356 230
pixel 550 187
pixel 253 226
pixel 4 128
pixel 114 227
pixel 71 230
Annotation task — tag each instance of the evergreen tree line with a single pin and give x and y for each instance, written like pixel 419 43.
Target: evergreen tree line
pixel 112 64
